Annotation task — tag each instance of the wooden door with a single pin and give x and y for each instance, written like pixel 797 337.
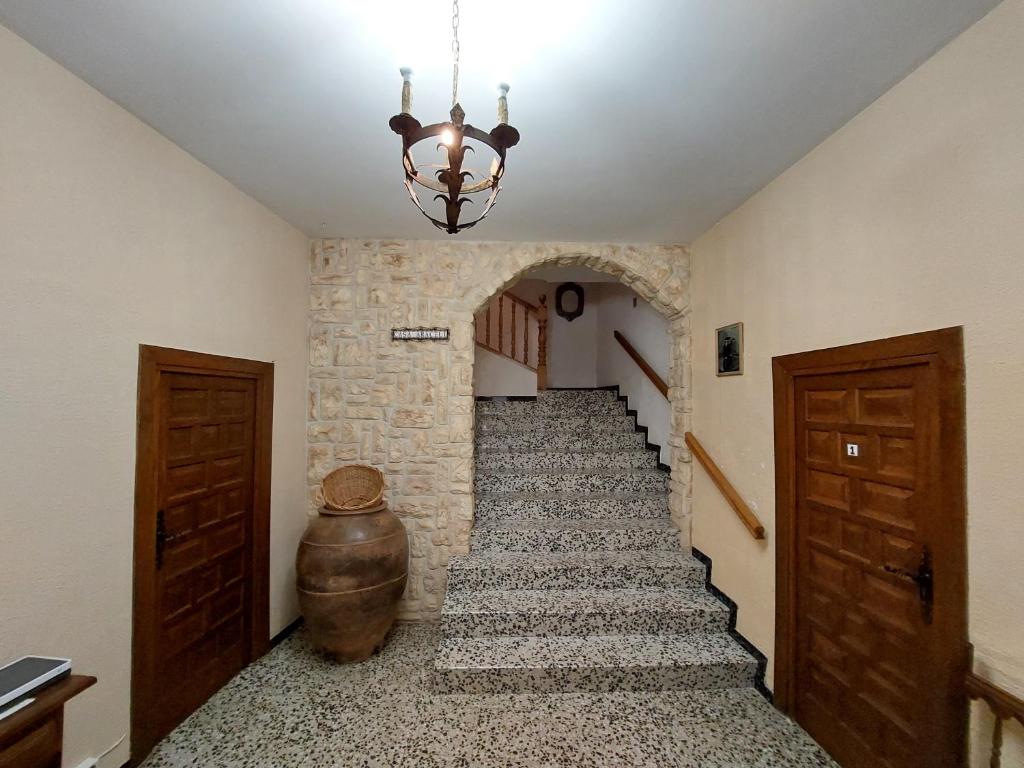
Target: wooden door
pixel 200 611
pixel 877 649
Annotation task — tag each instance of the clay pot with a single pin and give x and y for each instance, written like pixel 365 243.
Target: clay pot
pixel 352 568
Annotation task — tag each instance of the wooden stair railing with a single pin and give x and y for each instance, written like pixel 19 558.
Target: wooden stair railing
pixel 746 515
pixel 1003 704
pixel 514 328
pixel 638 359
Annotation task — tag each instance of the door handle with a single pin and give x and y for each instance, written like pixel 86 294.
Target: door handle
pixel 924 578
pixel 162 538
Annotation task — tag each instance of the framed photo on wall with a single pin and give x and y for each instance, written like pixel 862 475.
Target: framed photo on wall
pixel 729 348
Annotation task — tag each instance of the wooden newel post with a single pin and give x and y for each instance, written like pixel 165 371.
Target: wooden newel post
pixel 542 343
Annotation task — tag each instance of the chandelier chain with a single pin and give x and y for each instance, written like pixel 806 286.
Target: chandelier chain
pixel 455 52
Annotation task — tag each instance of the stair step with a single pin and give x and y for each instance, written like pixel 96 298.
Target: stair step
pixel 572 396
pixel 573 570
pixel 577 580
pixel 557 507
pixel 575 535
pixel 558 441
pixel 637 458
pixel 595 663
pixel 558 424
pixel 548 408
pixel 548 612
pixel 585 482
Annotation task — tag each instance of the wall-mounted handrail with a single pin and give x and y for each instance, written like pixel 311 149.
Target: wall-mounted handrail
pixel 1004 705
pixel 746 515
pixel 639 360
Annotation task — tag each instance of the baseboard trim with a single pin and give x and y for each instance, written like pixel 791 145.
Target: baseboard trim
pixel 749 647
pixel 285 633
pixel 638 427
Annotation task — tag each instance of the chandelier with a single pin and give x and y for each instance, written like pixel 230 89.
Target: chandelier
pixel 452 182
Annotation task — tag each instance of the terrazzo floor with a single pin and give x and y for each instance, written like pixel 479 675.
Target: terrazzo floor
pixel 295 708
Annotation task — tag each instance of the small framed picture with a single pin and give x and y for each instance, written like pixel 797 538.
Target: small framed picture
pixel 729 346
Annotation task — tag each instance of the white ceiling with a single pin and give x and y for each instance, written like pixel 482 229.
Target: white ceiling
pixel 642 120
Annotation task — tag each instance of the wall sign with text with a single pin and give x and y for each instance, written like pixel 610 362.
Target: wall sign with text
pixel 419 334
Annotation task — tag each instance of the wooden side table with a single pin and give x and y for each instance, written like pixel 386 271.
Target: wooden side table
pixel 34 736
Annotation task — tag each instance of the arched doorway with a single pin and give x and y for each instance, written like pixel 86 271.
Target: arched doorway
pixel 658 275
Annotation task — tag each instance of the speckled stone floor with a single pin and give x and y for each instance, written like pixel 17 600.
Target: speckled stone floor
pixel 295 708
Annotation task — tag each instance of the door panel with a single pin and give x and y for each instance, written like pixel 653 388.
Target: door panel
pixel 870 497
pixel 204 494
pixel 872 646
pixel 201 532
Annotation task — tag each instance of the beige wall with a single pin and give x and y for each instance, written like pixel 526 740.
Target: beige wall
pixel 497 375
pixel 648 332
pixel 407 407
pixel 111 236
pixel 909 218
pixel 572 345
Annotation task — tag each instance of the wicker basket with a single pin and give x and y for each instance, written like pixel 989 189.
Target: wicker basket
pixel 352 488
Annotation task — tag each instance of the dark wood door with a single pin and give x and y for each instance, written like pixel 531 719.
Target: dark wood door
pixel 204 541
pixel 196 617
pixel 878 645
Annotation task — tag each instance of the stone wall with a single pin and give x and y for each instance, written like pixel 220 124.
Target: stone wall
pixel 407 407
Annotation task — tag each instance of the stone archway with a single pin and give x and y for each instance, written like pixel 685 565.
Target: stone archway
pixel 408 407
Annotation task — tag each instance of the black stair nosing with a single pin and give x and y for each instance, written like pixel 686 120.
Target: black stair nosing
pixel 730 604
pixel 638 427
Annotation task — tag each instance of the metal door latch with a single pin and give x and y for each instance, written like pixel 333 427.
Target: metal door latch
pixel 162 538
pixel 925 581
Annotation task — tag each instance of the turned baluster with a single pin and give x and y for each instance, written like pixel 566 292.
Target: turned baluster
pixel 542 343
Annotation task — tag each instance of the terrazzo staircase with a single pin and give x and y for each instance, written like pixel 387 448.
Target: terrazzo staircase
pixel 576 579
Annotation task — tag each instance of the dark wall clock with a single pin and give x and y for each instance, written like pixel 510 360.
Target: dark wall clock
pixel 573 307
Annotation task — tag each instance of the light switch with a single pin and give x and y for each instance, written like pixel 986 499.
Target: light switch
pixel 852 449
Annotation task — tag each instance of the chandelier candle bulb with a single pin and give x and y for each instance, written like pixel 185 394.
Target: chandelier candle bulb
pixel 406 90
pixel 503 104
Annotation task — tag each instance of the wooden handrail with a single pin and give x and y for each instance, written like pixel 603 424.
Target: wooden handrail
pixel 747 517
pixel 638 359
pixel 521 302
pixel 1004 705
